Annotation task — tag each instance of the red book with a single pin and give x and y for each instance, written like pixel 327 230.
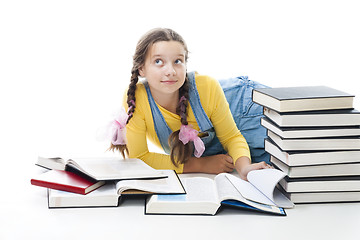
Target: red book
pixel 66 181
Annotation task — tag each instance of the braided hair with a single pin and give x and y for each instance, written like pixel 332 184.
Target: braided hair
pixel 180 153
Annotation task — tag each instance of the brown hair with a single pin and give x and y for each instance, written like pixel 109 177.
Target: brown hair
pixel 180 153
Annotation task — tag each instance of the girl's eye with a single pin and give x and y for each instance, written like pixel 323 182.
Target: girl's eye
pixel 178 61
pixel 158 62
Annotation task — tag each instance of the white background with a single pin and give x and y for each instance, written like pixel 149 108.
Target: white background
pixel 65 64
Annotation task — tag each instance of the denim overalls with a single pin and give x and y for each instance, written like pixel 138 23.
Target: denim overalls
pixel 246 113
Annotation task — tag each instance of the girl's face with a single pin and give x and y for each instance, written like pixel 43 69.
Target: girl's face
pixel 165 67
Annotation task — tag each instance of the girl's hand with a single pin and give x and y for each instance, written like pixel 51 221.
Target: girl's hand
pixel 218 164
pixel 211 164
pixel 244 168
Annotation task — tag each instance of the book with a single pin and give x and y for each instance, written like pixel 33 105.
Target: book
pixel 321 184
pixel 206 196
pixel 324 197
pixel 308 98
pixel 66 181
pixel 330 143
pixel 103 168
pixel 109 194
pixel 301 158
pixel 310 132
pixel 344 117
pixel 344 169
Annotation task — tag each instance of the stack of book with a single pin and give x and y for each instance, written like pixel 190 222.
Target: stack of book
pixel 313 137
pixel 94 182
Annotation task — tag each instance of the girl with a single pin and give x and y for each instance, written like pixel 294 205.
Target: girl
pixel 187 114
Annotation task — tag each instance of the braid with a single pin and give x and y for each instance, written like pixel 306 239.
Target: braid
pixel 131 104
pixel 180 151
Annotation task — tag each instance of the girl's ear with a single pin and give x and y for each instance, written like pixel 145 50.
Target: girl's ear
pixel 141 72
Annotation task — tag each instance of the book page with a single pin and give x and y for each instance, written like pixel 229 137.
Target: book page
pixel 51 163
pixel 225 189
pixel 228 191
pixel 200 189
pixel 248 191
pixel 171 184
pixel 115 168
pixel 265 180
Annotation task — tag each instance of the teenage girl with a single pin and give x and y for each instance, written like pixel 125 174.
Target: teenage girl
pixel 187 114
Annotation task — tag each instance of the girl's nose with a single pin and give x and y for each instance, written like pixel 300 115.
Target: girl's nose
pixel 170 70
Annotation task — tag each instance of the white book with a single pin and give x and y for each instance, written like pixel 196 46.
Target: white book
pixel 103 168
pixel 205 195
pixel 310 132
pixel 307 144
pixel 303 158
pixel 321 184
pixel 324 197
pixel 307 98
pixel 346 169
pixel 345 117
pixel 108 195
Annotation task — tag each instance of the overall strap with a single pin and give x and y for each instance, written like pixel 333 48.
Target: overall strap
pixel 161 128
pixel 201 118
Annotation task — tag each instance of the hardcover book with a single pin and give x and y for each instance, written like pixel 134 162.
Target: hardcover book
pixel 324 197
pixel 330 143
pixel 345 169
pixel 321 184
pixel 303 158
pixel 66 181
pixel 104 168
pixel 344 117
pixel 206 196
pixel 310 132
pixel 108 195
pixel 308 98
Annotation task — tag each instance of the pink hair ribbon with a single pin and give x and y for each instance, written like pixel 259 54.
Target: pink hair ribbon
pixel 119 128
pixel 187 133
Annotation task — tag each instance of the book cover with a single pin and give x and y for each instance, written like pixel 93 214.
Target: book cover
pixel 66 181
pixel 342 117
pixel 345 169
pixel 321 184
pixel 310 132
pixel 307 98
pixel 304 158
pixel 326 143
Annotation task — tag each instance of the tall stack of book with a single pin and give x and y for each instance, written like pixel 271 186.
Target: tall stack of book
pixel 314 137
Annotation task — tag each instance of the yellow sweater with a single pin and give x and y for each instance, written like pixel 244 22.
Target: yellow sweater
pixel 212 98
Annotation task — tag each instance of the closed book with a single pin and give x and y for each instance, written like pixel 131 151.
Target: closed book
pixel 66 181
pixel 310 132
pixel 345 169
pixel 343 117
pixel 330 143
pixel 324 197
pixel 308 98
pixel 301 158
pixel 321 184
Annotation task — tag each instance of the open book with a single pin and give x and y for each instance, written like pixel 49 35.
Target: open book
pixel 206 195
pixel 108 195
pixel 104 168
